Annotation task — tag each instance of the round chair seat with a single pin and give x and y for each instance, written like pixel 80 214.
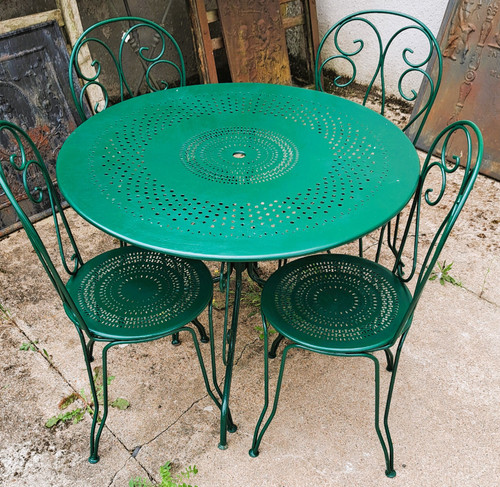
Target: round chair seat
pixel 132 293
pixel 335 303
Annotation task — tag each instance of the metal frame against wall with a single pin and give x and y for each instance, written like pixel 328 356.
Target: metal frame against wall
pixel 469 38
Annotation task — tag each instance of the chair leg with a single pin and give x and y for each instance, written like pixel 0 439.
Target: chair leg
pixel 257 436
pixel 95 437
pixel 87 355
pixel 275 345
pixel 390 359
pixel 390 472
pixel 388 447
pixel 380 242
pixel 90 349
pixel 205 378
pixel 201 330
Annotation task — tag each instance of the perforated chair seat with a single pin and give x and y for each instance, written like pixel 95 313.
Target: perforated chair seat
pixel 335 303
pixel 130 293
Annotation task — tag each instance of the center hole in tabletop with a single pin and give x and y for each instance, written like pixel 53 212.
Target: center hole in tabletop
pixel 239 154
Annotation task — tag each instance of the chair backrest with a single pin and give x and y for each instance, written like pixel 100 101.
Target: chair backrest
pixel 360 53
pixel 23 175
pixel 130 56
pixel 435 191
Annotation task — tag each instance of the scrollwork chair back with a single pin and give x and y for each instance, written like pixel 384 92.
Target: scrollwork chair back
pixel 363 49
pixel 117 47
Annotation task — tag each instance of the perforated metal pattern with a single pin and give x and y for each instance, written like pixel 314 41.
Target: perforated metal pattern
pixel 238 171
pixel 239 155
pixel 134 292
pixel 335 302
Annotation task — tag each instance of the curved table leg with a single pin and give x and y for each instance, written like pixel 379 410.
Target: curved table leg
pixel 239 267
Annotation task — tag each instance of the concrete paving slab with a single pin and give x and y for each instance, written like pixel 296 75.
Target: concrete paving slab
pixel 444 420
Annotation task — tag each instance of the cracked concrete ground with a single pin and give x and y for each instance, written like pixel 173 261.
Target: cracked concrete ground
pixel 445 415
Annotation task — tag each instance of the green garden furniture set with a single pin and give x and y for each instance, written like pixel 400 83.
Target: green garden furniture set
pixel 243 173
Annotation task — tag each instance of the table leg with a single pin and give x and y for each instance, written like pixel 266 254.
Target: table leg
pixel 239 267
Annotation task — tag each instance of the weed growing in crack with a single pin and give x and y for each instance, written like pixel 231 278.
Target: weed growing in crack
pixel 29 346
pixel 77 414
pixel 443 275
pixel 260 330
pixel 484 283
pixel 5 314
pixel 167 479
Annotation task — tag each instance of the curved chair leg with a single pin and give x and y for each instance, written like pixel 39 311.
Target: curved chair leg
pixel 390 472
pixel 390 359
pixel 201 330
pixel 388 447
pixel 275 345
pixel 205 377
pixel 253 273
pixel 257 436
pixel 87 355
pixel 90 349
pixel 380 242
pixel 95 437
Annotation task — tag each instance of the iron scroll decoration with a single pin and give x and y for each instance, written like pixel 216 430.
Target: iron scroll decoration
pixel 408 56
pixel 432 194
pixel 26 164
pixel 149 57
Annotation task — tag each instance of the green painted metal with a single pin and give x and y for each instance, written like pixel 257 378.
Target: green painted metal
pixel 356 38
pixel 349 306
pixel 237 173
pixel 347 41
pixel 126 295
pixel 155 49
pixel 166 171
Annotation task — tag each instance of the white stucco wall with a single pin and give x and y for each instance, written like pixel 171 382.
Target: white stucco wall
pixel 430 12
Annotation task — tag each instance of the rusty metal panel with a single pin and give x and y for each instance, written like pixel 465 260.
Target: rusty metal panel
pixel 34 94
pixel 470 42
pixel 255 41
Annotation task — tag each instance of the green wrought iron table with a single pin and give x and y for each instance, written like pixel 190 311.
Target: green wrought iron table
pixel 237 173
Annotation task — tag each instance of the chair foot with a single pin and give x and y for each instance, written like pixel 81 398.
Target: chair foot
pixel 253 453
pixel 232 429
pixel 201 330
pixel 390 473
pixel 222 447
pixel 175 340
pixel 275 345
pixel 94 459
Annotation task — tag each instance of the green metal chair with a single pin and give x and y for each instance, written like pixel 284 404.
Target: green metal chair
pixel 355 55
pixel 126 295
pixel 349 306
pixel 118 72
pixel 130 56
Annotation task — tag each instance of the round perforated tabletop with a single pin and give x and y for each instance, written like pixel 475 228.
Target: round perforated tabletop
pixel 237 172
